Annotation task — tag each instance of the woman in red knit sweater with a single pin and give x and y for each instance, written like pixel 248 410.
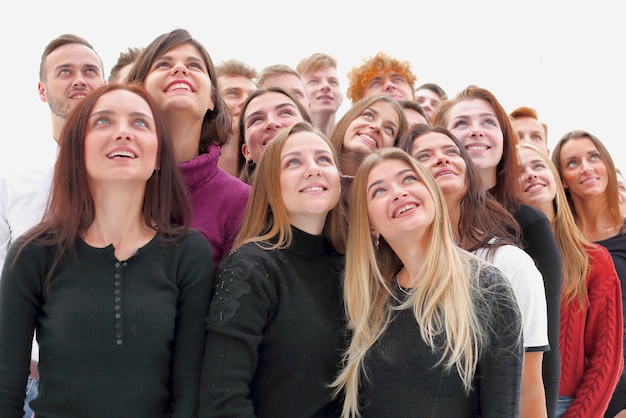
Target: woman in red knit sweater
pixel 591 308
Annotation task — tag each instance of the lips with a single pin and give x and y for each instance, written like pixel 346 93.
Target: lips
pixel 534 187
pixel 403 209
pixel 179 85
pixel 369 140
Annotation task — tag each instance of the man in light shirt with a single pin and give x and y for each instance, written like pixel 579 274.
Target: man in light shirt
pixel 69 70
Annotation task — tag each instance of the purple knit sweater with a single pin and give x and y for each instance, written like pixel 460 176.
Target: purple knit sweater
pixel 218 200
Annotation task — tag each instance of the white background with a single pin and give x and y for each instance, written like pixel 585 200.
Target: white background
pixel 564 58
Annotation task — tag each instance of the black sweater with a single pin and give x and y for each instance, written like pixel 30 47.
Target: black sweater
pixel 275 332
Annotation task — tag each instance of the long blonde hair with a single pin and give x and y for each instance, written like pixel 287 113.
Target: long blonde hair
pixel 572 244
pixel 443 304
pixel 265 218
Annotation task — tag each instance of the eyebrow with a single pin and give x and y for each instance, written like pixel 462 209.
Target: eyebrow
pixel 294 153
pixel 277 107
pixel 107 112
pixel 398 174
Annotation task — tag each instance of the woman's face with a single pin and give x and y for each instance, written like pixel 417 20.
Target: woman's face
pixel 376 127
pixel 121 143
pixel 179 80
pixel 475 124
pixel 398 203
pixel 441 156
pixel 265 116
pixel 309 181
pixel 537 185
pixel 584 172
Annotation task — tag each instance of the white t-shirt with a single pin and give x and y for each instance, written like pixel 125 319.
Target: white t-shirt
pixel 23 198
pixel 527 284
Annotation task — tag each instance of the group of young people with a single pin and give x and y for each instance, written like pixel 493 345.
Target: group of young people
pixel 209 241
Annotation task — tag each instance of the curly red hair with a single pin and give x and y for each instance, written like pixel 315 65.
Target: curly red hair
pixel 359 77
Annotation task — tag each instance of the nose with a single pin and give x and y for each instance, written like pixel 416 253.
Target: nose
pixel 441 158
pixel 123 133
pixel 313 170
pixel 272 122
pixel 398 191
pixel 389 86
pixel 179 68
pixel 476 130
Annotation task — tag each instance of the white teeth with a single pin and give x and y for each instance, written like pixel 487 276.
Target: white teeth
pixel 179 86
pixel 476 147
pixel 405 208
pixel 313 189
pixel 445 173
pixel 125 154
pixel 534 187
pixel 592 180
pixel 79 96
pixel 369 139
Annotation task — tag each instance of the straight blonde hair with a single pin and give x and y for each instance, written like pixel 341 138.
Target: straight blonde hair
pixel 443 304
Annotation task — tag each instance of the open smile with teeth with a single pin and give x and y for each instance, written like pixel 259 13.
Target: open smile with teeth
pixel 589 181
pixel 121 154
pixel 403 209
pixel 369 140
pixel 534 187
pixel 179 86
pixel 445 173
pixel 313 189
pixel 477 147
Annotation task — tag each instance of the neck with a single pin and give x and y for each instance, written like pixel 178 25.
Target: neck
pixel 185 133
pixel 324 121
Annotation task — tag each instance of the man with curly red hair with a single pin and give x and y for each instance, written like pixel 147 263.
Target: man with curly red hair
pixel 382 74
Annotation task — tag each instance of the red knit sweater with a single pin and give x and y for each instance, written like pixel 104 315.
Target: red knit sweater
pixel 591 340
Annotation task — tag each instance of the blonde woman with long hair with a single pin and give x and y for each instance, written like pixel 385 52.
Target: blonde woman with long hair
pixel 591 308
pixel 436 331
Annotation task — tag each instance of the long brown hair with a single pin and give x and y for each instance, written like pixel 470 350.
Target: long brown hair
pixel 506 171
pixel 484 222
pixel 246 170
pixel 71 209
pixel 216 124
pixel 612 190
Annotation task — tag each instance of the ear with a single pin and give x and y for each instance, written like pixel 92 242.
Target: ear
pixel 42 92
pixel 564 183
pixel 374 233
pixel 246 152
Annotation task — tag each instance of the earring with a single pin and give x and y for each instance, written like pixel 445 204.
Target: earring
pixel 376 242
pixel 250 163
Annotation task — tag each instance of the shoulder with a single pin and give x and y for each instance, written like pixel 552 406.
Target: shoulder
pixel 250 257
pixel 526 214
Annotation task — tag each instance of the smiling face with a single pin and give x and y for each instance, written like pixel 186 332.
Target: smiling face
pixel 121 143
pixel 583 170
pixel 71 72
pixel 265 116
pixel 441 156
pixel 537 184
pixel 179 80
pixel 376 127
pixel 475 124
pixel 309 181
pixel 398 204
